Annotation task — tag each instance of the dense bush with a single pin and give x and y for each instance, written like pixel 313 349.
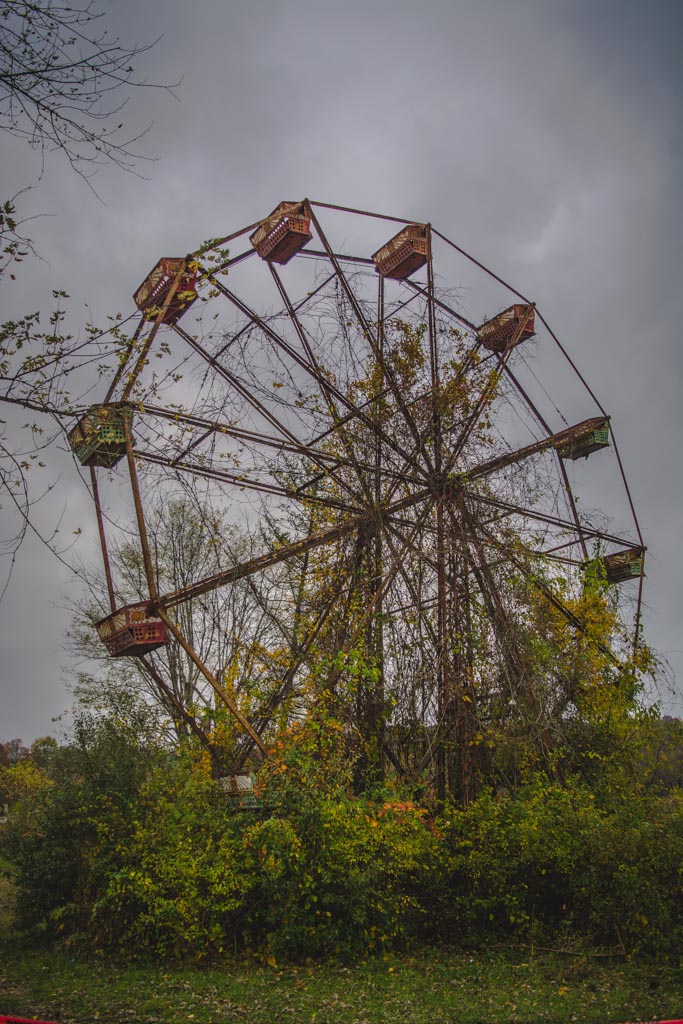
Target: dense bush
pixel 138 851
pixel 552 859
pixel 72 811
pixel 309 874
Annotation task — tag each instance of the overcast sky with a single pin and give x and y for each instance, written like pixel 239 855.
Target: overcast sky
pixel 544 136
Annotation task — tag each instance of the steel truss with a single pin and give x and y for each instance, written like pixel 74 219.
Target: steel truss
pixel 362 411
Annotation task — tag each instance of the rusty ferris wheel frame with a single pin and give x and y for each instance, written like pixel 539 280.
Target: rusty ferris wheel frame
pixel 408 487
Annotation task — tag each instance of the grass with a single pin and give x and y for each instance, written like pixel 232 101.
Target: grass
pixel 433 986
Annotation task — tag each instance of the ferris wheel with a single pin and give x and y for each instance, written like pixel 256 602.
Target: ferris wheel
pixel 376 396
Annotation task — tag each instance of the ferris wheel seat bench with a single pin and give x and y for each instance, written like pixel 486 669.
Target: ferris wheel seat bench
pixel 624 565
pixel 503 331
pixel 152 293
pixel 620 566
pixel 99 437
pixel 239 789
pixel 581 441
pixel 403 254
pixel 283 233
pixel 132 630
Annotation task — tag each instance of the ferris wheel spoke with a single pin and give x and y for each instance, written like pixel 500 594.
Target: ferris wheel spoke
pixel 369 335
pixel 569 494
pixel 257 564
pixel 327 391
pixel 556 441
pixel 242 390
pixel 545 517
pixel 397 474
pixel 546 590
pixel 220 692
pixel 255 403
pixel 308 298
pixel 440 304
pixel 103 540
pixel 124 361
pixel 285 551
pixel 489 392
pixel 312 368
pixel 174 704
pixel 251 437
pixel 243 482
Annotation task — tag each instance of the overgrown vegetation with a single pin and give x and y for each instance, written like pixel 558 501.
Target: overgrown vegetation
pixel 119 844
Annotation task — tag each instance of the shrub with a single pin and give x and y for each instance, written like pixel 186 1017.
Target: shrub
pixel 551 859
pixel 139 851
pixel 341 878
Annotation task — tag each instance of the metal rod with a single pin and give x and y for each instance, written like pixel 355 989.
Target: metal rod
pixel 639 606
pixel 261 562
pixel 569 615
pixel 244 482
pixel 103 539
pixel 443 661
pixel 372 341
pixel 600 407
pixel 482 267
pixel 144 352
pixel 218 243
pixel 569 494
pixel 124 362
pixel 544 517
pixel 266 440
pixel 489 392
pixel 218 689
pixel 252 400
pixel 327 391
pixel 312 369
pixel 510 458
pixel 362 213
pixel 139 514
pixel 177 704
pixel 319 254
pixel 442 305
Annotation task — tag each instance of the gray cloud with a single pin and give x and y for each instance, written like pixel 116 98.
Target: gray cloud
pixel 545 138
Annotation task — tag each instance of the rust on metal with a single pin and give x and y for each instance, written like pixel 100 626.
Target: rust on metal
pixel 99 437
pixel 414 482
pixel 581 441
pixel 283 233
pixel 150 296
pixel 140 516
pixel 403 254
pixel 211 679
pixel 103 539
pixel 622 566
pixel 503 331
pixel 132 630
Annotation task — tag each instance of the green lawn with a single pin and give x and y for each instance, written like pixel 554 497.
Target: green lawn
pixel 432 986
